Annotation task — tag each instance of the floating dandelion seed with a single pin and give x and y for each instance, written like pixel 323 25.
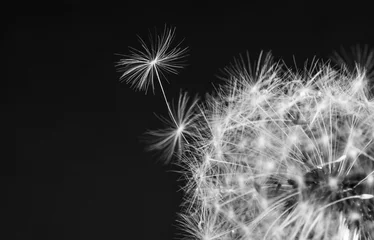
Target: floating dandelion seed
pixel 173 138
pixel 154 60
pixel 275 155
pixel 141 67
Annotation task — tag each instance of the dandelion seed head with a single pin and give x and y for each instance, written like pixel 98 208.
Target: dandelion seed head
pixel 279 155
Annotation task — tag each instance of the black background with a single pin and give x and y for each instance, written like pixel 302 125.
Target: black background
pixel 73 166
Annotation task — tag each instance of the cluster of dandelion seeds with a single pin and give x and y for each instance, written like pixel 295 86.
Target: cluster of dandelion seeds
pixel 278 155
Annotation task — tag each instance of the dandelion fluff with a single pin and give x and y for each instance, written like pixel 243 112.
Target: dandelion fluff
pixel 153 60
pixel 282 155
pixel 273 154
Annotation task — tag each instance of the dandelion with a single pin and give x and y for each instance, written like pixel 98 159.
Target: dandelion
pixel 276 155
pixel 283 156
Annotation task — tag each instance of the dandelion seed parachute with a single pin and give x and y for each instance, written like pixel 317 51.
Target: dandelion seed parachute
pixel 153 60
pixel 171 140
